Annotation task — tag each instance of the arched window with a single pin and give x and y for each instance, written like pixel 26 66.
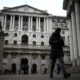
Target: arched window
pixel 13 68
pixel 34 68
pixel 6 41
pixel 25 39
pixel 42 43
pixel 42 36
pixel 15 35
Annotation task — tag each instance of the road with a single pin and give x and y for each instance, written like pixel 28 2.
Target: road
pixel 38 77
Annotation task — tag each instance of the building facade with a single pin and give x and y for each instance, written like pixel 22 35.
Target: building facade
pixel 73 16
pixel 26 46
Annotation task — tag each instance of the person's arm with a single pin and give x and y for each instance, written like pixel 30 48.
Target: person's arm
pixel 66 46
pixel 61 42
pixel 52 40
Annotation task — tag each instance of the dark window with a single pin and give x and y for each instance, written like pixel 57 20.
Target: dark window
pixel 42 56
pixel 42 19
pixel 42 36
pixel 14 56
pixel 16 17
pixel 16 23
pixel 34 36
pixel 25 39
pixel 7 34
pixel 42 43
pixel 63 32
pixel 15 42
pixel 4 56
pixel 60 20
pixel 6 41
pixel 15 35
pixel 62 25
pixel 63 38
pixel 34 56
pixel 8 17
pixel 34 42
pixel 34 27
pixel 8 22
pixel 42 28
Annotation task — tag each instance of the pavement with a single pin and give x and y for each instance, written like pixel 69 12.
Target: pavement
pixel 38 77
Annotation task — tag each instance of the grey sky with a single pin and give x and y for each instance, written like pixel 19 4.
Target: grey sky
pixel 52 6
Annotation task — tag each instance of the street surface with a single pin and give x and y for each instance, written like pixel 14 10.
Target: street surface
pixel 38 77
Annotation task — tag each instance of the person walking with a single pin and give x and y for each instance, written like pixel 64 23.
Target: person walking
pixel 57 44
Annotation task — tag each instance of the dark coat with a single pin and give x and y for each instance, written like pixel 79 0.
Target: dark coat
pixel 57 44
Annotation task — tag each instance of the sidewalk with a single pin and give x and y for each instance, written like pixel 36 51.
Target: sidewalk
pixel 38 77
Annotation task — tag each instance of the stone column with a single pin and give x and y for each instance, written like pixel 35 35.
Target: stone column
pixel 11 23
pixel 71 40
pixel 44 24
pixel 5 23
pixel 74 30
pixel 21 22
pixel 47 63
pixel 39 64
pixel 9 61
pixel 30 63
pixel 19 26
pixel 29 23
pixel 37 23
pixel 77 14
pixel 18 63
pixel 2 21
pixel 47 24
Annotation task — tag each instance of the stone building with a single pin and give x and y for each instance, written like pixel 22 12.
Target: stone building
pixel 26 46
pixel 73 16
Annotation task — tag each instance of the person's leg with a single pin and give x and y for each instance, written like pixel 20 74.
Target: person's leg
pixel 62 65
pixel 52 67
pixel 65 74
pixel 58 70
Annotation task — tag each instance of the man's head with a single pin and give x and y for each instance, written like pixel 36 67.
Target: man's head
pixel 58 30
